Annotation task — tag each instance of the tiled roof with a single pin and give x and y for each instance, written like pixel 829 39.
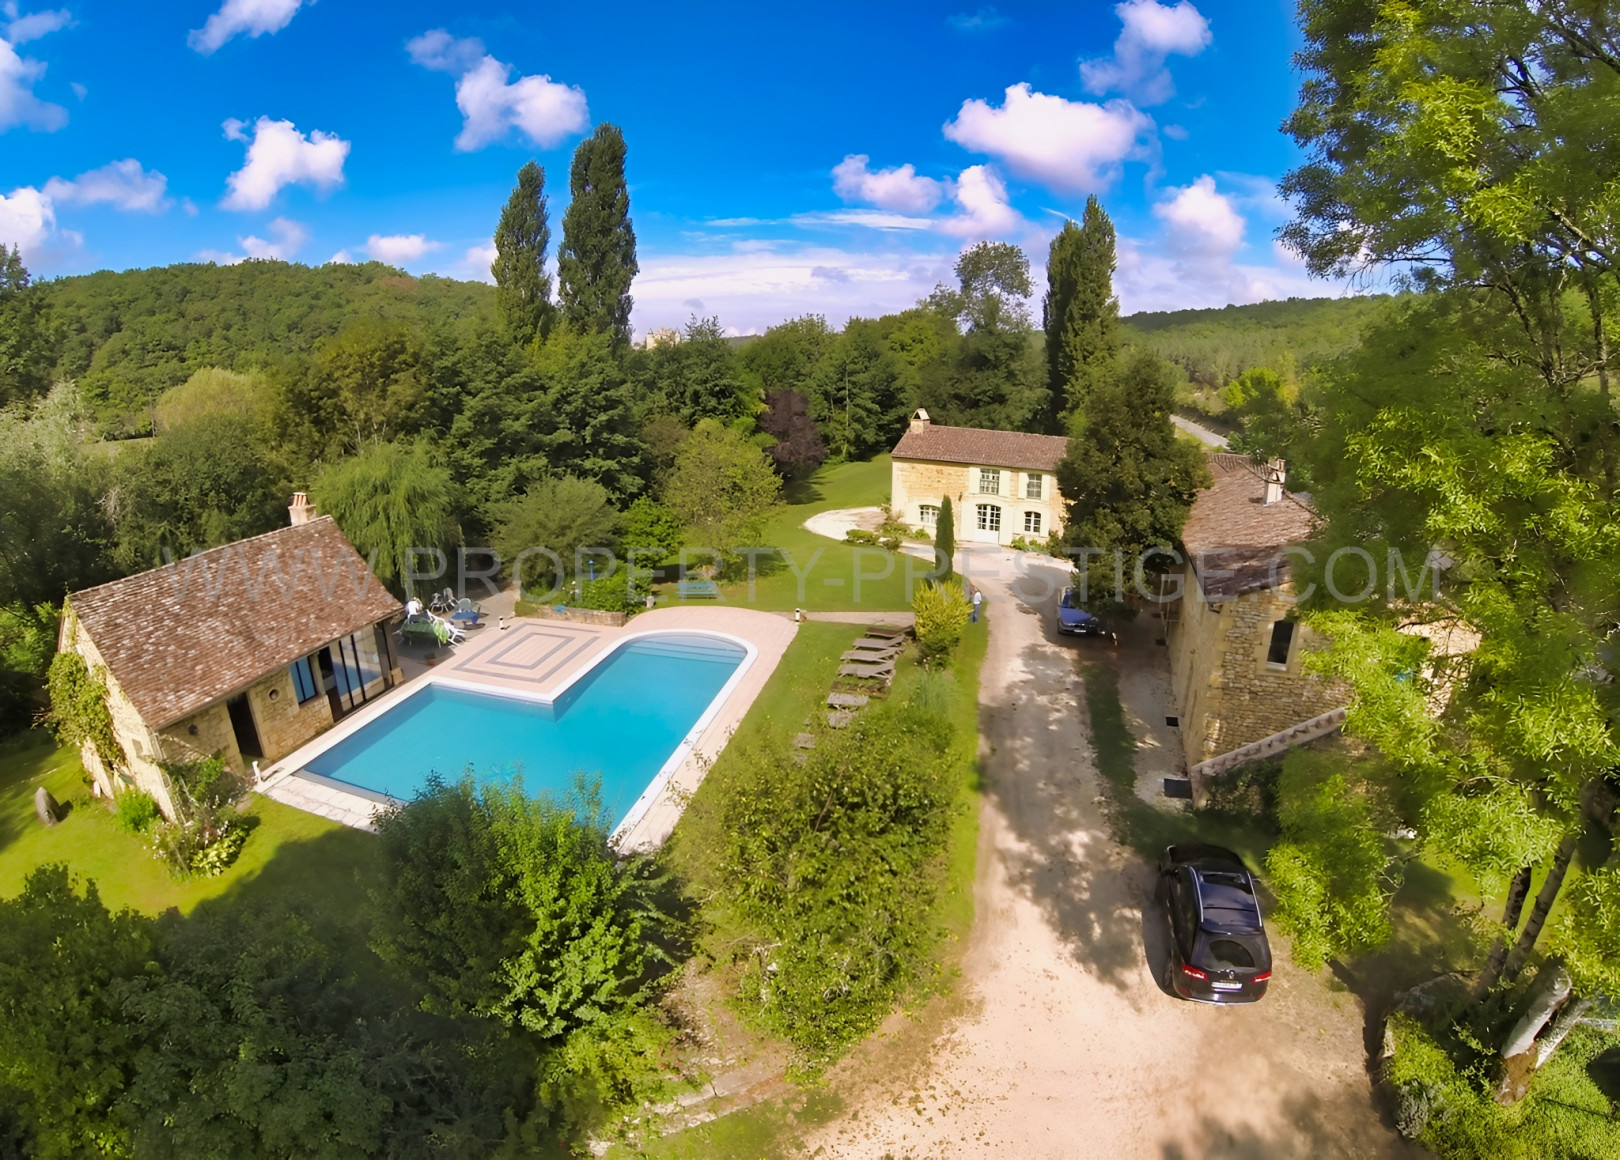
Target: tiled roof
pixel 982 448
pixel 180 637
pixel 1233 536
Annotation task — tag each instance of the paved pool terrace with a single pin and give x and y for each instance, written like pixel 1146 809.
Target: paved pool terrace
pixel 539 659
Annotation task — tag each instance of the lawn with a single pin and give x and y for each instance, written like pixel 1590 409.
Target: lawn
pixel 321 854
pixel 827 580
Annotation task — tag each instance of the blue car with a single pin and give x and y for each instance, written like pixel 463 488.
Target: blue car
pixel 1076 621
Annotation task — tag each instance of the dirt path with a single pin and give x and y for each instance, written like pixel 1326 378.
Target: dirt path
pixel 1071 1049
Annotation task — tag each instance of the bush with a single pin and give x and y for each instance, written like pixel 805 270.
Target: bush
pixel 201 792
pixel 615 593
pixel 136 811
pixel 942 617
pixel 835 863
pixel 860 536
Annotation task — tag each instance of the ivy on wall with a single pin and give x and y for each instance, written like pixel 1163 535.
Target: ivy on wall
pixel 79 710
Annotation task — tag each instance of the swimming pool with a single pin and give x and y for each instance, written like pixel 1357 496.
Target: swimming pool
pixel 624 719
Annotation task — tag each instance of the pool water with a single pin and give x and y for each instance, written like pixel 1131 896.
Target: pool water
pixel 622 720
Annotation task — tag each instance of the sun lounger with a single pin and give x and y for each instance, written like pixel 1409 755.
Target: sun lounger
pixel 884 672
pixel 846 700
pixel 867 656
pixel 868 644
pixel 886 631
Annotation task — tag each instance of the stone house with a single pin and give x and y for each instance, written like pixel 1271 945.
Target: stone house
pixel 1002 484
pixel 246 651
pixel 1235 646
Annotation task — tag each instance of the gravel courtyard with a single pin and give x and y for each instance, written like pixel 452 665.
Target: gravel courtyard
pixel 1067 1046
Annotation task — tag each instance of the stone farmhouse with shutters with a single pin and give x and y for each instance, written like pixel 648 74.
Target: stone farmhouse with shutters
pixel 1002 484
pixel 246 651
pixel 1235 648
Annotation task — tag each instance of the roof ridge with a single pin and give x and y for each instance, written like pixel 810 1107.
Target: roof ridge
pixel 204 554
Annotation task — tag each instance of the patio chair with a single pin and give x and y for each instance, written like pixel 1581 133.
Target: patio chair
pixel 882 672
pixel 442 602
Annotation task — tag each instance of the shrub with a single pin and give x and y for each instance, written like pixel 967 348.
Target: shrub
pixel 136 811
pixel 834 862
pixel 79 712
pixel 201 792
pixel 942 617
pixel 215 858
pixel 615 593
pixel 860 536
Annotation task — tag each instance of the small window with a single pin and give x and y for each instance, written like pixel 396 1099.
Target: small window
pixel 1033 483
pixel 989 518
pixel 1032 522
pixel 990 480
pixel 1282 639
pixel 928 514
pixel 303 679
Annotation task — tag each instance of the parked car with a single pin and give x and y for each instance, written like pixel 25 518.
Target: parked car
pixel 1218 947
pixel 1076 621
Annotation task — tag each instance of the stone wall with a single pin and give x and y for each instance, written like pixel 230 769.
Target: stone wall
pixel 914 482
pixel 576 615
pixel 1229 695
pixel 141 747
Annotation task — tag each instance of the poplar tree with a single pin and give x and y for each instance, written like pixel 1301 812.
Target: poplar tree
pixel 522 285
pixel 1080 313
pixel 597 261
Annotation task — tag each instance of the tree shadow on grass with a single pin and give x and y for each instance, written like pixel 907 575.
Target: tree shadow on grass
pixel 1308 1129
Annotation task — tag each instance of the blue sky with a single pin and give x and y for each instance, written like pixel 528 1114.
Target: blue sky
pixel 783 159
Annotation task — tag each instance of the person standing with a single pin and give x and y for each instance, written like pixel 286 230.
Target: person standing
pixel 978 599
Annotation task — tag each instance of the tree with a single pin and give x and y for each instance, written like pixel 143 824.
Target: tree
pixel 597 261
pixel 198 485
pixel 945 536
pixel 1274 422
pixel 587 408
pixel 366 385
pixel 798 448
pixel 26 340
pixel 522 283
pixel 1080 313
pixel 1127 480
pixel 785 356
pixel 855 392
pixel 562 514
pixel 697 378
pixel 993 287
pixel 514 908
pixel 722 488
pixel 390 499
pixel 66 1047
pixel 651 529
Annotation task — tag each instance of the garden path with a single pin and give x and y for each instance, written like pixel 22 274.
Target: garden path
pixel 1069 1047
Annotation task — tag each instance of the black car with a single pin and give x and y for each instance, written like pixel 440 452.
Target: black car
pixel 1075 620
pixel 1218 947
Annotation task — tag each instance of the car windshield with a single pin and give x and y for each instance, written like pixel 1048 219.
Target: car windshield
pixel 1228 901
pixel 1069 600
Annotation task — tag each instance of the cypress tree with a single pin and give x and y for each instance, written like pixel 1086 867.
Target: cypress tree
pixel 522 286
pixel 597 261
pixel 1080 312
pixel 945 536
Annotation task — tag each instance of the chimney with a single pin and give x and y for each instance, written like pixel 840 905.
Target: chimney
pixel 301 510
pixel 1276 473
pixel 919 421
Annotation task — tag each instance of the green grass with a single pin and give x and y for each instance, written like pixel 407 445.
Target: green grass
pixel 320 854
pixel 827 566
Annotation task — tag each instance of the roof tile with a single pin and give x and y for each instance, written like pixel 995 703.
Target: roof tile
pixel 982 448
pixel 1233 536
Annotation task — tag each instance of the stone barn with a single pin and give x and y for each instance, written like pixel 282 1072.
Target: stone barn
pixel 246 651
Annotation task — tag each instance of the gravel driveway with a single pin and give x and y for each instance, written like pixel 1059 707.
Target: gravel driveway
pixel 1069 1047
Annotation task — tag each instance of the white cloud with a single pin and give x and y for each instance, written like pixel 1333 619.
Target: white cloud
pixel 290 237
pixel 477 261
pixel 27 219
pixel 491 103
pixel 220 257
pixel 1070 146
pixel 754 289
pixel 341 258
pixel 1152 32
pixel 280 156
pixel 1201 222
pixel 897 189
pixel 18 74
pixel 981 196
pixel 254 17
pixel 121 184
pixel 397 249
pixel 872 219
pixel 22 29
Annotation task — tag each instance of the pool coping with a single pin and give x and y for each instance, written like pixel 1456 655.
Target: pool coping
pixel 289 782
